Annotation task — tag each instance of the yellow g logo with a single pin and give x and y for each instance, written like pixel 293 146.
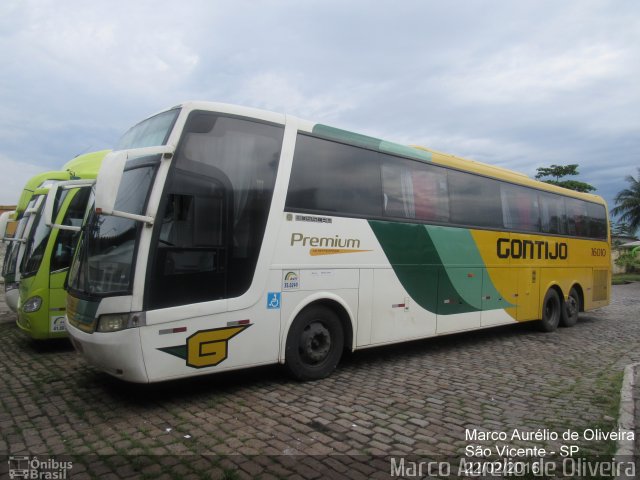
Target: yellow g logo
pixel 207 348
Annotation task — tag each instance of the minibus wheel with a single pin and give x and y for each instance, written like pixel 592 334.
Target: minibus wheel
pixel 314 343
pixel 551 311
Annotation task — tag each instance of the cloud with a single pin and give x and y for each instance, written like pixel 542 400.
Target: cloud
pixel 517 84
pixel 102 43
pixel 529 75
pixel 296 94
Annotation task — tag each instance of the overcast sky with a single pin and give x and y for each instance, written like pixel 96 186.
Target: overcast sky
pixel 520 84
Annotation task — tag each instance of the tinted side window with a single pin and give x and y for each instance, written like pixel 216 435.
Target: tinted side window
pixel 414 190
pixel 597 221
pixel 332 177
pixel 577 219
pixel 553 218
pixel 520 209
pixel 474 200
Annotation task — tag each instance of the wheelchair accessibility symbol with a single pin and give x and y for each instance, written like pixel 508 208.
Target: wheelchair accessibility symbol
pixel 273 300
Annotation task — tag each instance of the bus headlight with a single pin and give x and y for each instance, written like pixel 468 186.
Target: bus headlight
pixel 114 322
pixel 32 304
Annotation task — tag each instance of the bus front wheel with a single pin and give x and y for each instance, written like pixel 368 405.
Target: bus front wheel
pixel 571 309
pixel 314 343
pixel 551 311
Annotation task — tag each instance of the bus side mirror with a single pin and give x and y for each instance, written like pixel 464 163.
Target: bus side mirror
pixel 51 200
pixel 48 205
pixel 108 181
pixel 110 176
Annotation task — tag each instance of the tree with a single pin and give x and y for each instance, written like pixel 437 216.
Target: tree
pixel 559 171
pixel 627 207
pixel 622 229
pixel 629 261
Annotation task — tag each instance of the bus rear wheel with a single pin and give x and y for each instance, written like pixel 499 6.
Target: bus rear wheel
pixel 570 309
pixel 314 343
pixel 551 311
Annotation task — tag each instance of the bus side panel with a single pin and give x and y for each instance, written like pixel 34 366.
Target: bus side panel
pixel 528 281
pixel 57 302
pixel 303 287
pixel 459 299
pixel 493 311
pixel 396 315
pixel 201 342
pixel 365 307
pixel 293 302
pixel 601 289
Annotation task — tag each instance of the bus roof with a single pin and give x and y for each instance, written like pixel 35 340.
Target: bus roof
pixel 86 165
pixel 32 184
pixel 83 166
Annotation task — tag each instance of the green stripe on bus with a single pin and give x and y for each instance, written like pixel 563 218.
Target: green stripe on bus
pixel 179 351
pixel 405 151
pixel 372 143
pixel 417 264
pixel 346 136
pixel 439 267
pixel 457 248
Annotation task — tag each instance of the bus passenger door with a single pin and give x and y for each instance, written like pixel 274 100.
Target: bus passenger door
pixel 190 263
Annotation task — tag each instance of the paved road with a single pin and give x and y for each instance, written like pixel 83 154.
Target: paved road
pixel 419 399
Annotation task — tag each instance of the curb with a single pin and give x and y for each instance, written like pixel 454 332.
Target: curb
pixel 626 416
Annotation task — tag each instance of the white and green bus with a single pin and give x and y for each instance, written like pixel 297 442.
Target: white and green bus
pixel 31 199
pixel 226 237
pixel 49 247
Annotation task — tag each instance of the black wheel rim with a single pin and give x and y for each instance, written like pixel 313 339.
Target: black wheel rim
pixel 315 343
pixel 550 309
pixel 572 306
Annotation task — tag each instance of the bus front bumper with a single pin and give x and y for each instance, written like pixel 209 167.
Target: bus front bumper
pixel 11 296
pixel 116 353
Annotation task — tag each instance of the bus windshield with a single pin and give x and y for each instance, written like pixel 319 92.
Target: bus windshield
pixel 39 237
pixel 151 132
pixel 105 257
pixel 105 252
pixel 11 255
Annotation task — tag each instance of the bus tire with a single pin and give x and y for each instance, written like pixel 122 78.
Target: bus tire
pixel 551 311
pixel 314 343
pixel 570 309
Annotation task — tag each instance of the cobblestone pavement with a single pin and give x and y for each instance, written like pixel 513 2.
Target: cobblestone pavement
pixel 416 399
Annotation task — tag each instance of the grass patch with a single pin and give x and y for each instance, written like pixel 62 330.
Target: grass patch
pixel 229 474
pixel 622 278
